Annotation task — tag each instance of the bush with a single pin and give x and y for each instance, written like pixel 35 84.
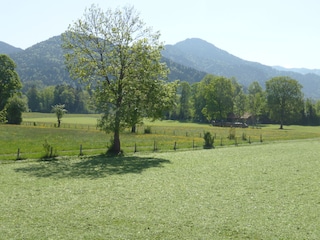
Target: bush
pixel 232 133
pixel 14 108
pixel 244 136
pixel 48 149
pixel 208 141
pixel 147 130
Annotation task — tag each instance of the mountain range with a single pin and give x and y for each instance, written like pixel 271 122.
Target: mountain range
pixel 189 60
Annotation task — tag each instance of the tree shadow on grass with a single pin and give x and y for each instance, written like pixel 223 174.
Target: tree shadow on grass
pixel 92 167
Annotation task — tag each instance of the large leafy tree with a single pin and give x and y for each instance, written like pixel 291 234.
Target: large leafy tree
pixel 219 93
pixel 284 98
pixel 116 53
pixel 185 104
pixel 9 80
pixel 256 100
pixel 239 100
pixel 33 99
pixel 198 101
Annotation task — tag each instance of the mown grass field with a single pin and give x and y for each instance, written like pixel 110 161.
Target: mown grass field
pixel 259 191
pixel 80 130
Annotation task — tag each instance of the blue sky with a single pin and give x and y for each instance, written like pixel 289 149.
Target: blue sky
pixel 272 32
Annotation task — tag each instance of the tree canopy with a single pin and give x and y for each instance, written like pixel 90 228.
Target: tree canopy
pixel 218 94
pixel 9 80
pixel 114 52
pixel 284 98
pixel 59 110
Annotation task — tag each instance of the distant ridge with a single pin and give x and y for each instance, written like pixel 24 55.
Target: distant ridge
pixel 6 48
pixel 203 56
pixel 298 70
pixel 189 60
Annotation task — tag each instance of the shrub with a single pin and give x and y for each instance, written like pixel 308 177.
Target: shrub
pixel 48 149
pixel 147 130
pixel 244 136
pixel 208 141
pixel 15 107
pixel 232 133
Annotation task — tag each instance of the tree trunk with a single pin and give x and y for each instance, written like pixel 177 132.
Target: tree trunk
pixel 116 137
pixel 59 122
pixel 281 125
pixel 116 142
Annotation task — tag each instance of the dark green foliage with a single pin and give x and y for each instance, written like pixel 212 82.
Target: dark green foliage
pixel 3 115
pixel 185 101
pixel 14 108
pixel 208 140
pixel 33 99
pixel 284 99
pixel 147 130
pixel 182 72
pixel 9 80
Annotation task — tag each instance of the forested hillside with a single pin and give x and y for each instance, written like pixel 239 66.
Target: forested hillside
pixel 44 63
pixel 8 49
pixel 204 56
pixel 189 61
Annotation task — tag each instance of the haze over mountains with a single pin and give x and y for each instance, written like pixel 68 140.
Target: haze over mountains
pixel 189 60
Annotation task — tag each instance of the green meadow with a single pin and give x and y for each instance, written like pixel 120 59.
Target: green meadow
pixel 79 135
pixel 264 184
pixel 258 191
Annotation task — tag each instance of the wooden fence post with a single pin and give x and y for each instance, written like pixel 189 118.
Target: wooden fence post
pixel 154 146
pixel 81 153
pixel 18 154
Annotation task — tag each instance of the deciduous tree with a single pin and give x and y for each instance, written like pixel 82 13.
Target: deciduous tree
pixel 59 110
pixel 219 98
pixel 256 100
pixel 185 104
pixel 284 98
pixel 116 53
pixel 9 80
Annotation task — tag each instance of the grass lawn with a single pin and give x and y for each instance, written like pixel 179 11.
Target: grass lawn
pixel 268 191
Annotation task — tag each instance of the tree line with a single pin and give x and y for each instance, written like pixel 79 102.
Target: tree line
pixel 214 98
pixel 219 99
pixel 75 99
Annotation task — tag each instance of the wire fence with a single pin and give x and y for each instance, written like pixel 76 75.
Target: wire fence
pixel 155 146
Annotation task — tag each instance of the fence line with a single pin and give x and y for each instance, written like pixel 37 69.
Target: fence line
pixel 154 146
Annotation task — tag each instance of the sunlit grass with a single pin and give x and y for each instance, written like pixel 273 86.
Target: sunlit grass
pixel 81 130
pixel 268 191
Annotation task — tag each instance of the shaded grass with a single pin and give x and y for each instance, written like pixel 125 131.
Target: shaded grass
pixel 258 192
